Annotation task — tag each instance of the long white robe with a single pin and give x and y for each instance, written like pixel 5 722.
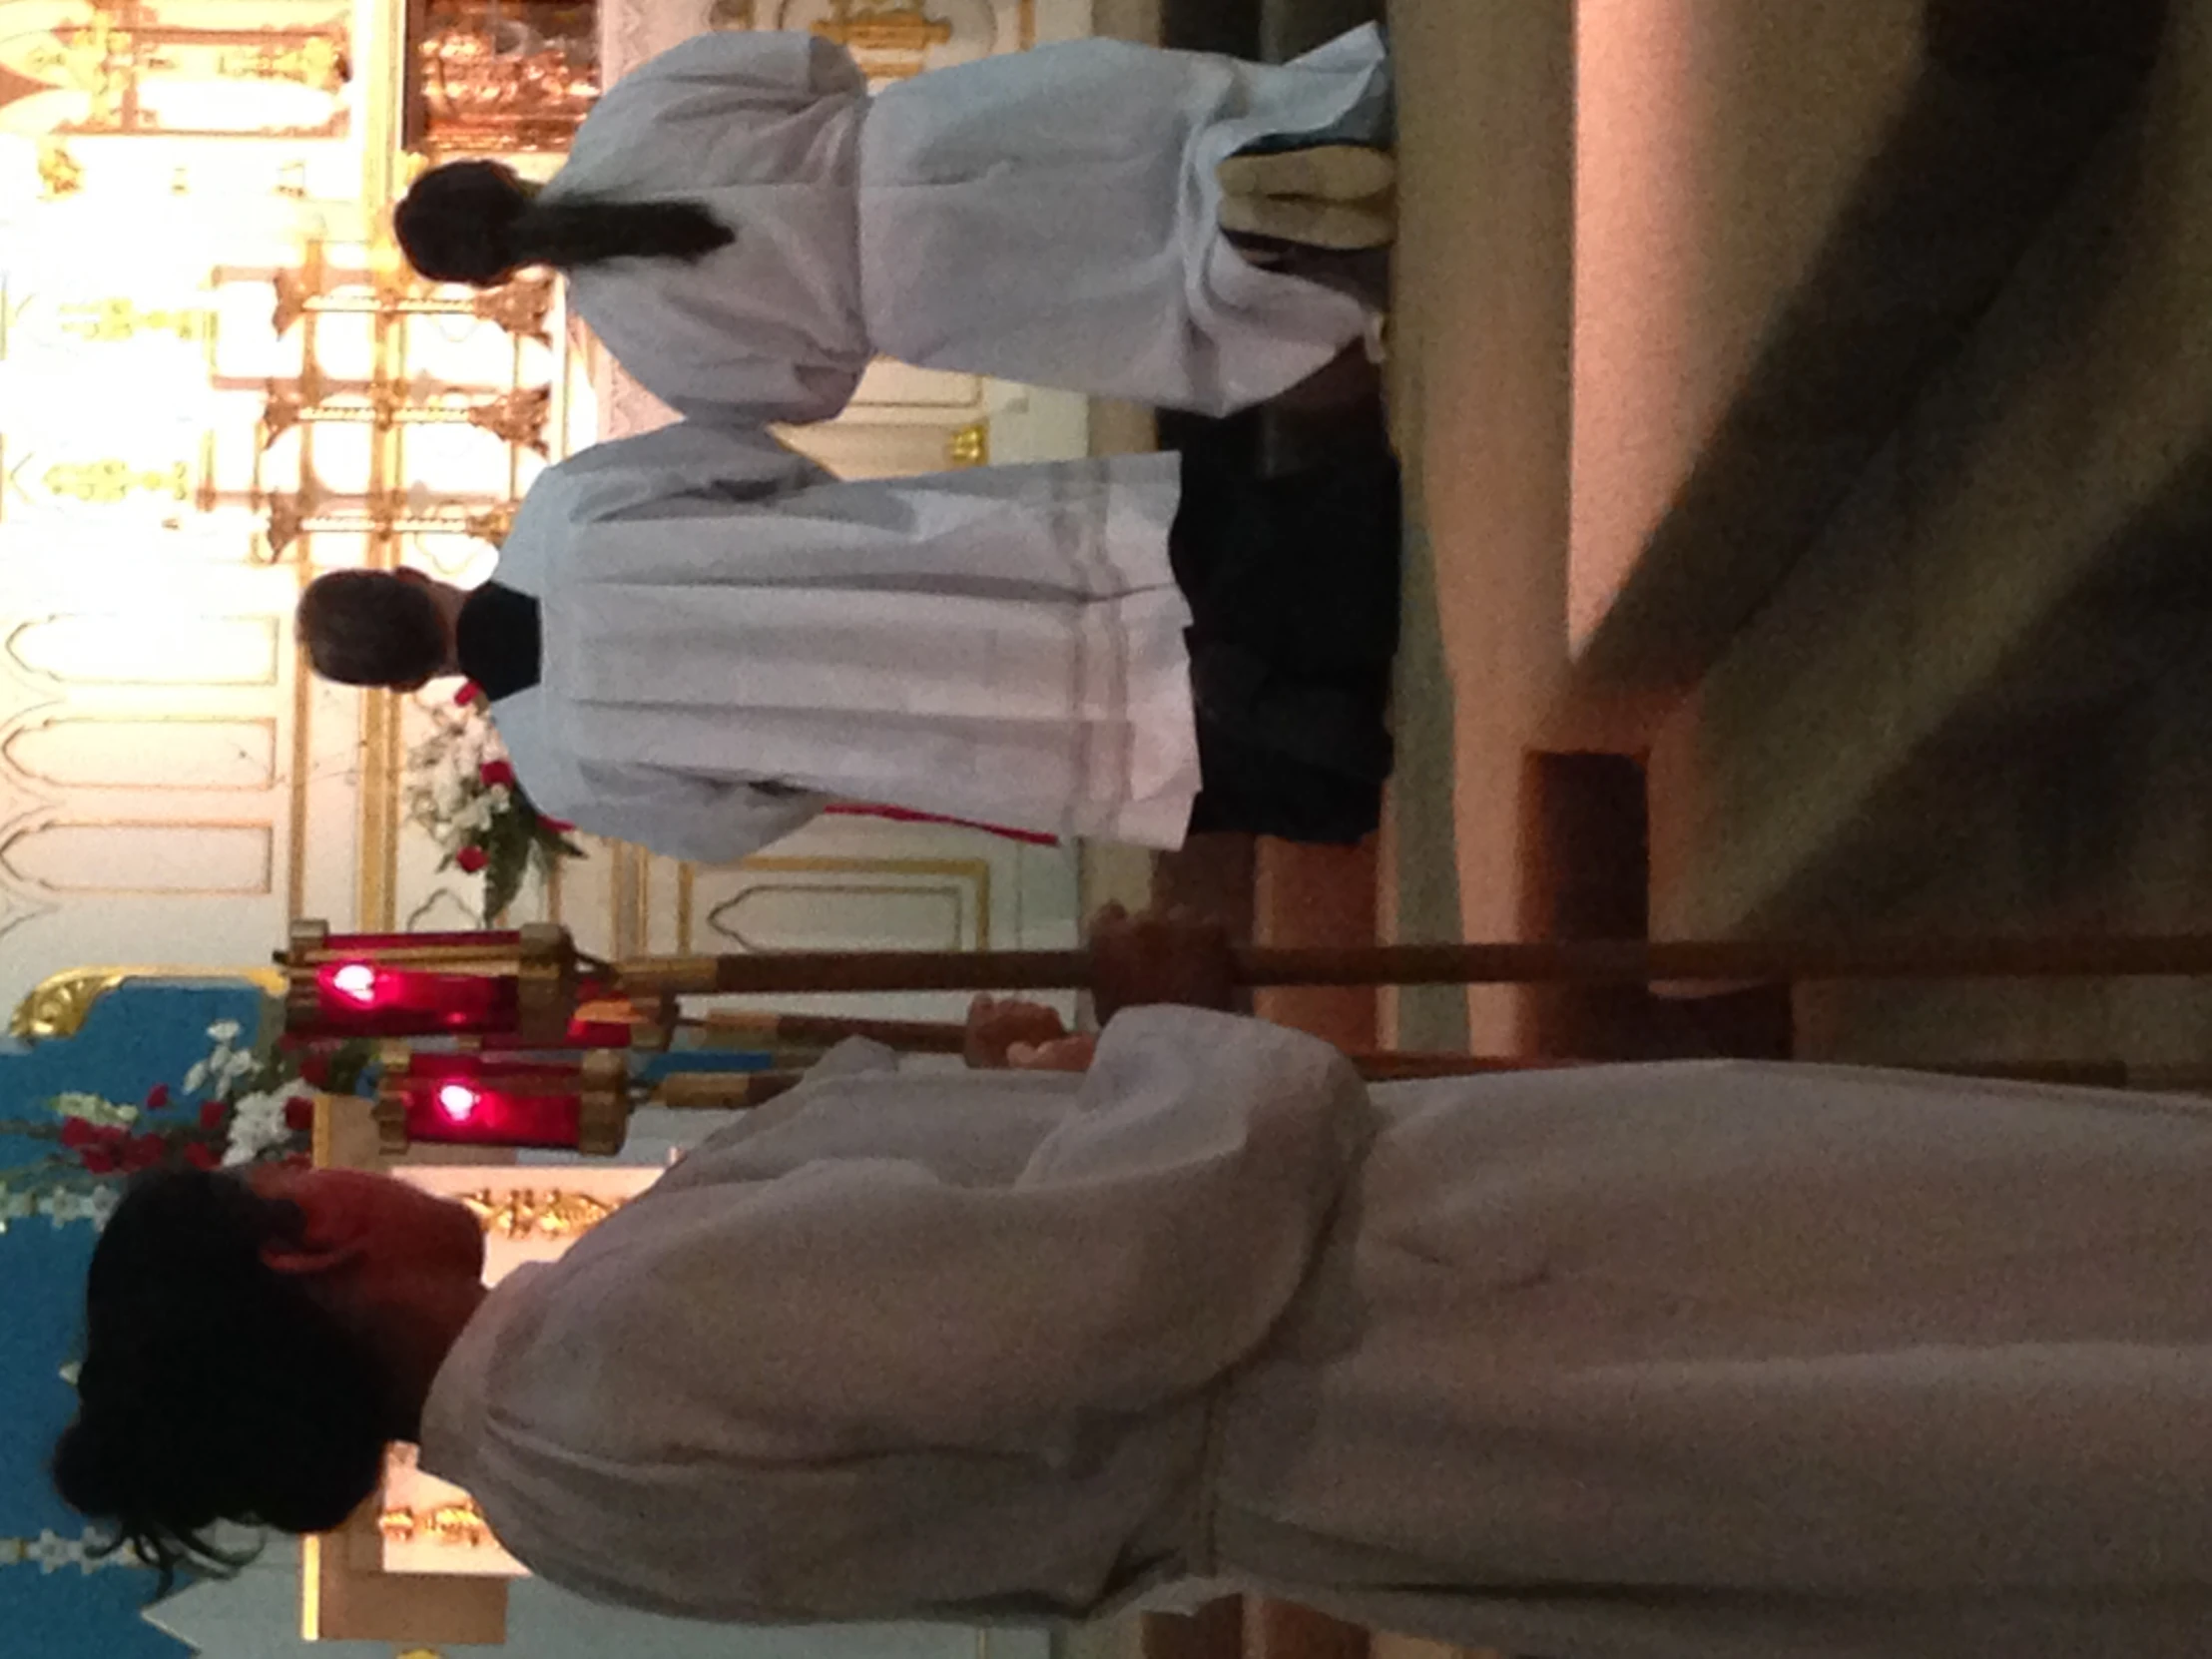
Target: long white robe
pixel 1049 217
pixel 1636 1363
pixel 732 638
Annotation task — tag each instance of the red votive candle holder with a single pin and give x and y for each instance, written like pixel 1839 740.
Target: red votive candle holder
pixel 430 985
pixel 356 999
pixel 563 1105
pixel 581 1033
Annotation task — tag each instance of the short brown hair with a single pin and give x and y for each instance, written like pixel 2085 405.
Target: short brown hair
pixel 371 628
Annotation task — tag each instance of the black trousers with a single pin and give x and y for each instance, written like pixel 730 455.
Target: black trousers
pixel 1293 584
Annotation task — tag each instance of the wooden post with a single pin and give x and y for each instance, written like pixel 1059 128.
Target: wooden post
pixel 716 1091
pixel 1574 962
pixel 915 1036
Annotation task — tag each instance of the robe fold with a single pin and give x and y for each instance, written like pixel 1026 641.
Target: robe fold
pixel 732 638
pixel 1048 217
pixel 1663 1362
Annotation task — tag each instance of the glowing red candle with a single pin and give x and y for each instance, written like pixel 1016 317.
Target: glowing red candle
pixel 569 1105
pixel 460 1098
pixel 364 998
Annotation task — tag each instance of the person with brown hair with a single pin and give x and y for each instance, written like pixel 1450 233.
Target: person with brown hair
pixel 746 226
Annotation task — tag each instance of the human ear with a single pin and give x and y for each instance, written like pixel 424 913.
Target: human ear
pixel 325 1243
pixel 306 1257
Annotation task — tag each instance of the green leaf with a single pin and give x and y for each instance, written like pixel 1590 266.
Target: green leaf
pixel 507 862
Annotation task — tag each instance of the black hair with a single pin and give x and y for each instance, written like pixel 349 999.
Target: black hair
pixel 373 628
pixel 478 223
pixel 213 1388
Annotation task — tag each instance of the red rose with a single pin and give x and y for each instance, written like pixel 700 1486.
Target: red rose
pixel 298 1114
pixel 315 1071
pixel 468 691
pixel 156 1097
pixel 98 1160
pixel 473 858
pixel 497 772
pixel 200 1155
pixel 559 826
pixel 214 1115
pixel 144 1151
pixel 76 1133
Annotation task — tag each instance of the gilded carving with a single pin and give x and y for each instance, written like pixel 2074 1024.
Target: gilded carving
pixel 907 30
pixel 453 1525
pixel 59 173
pixel 520 306
pixel 493 524
pixel 516 417
pixel 319 62
pixel 111 481
pixel 523 1213
pixel 110 321
pixel 57 1006
pixel 970 445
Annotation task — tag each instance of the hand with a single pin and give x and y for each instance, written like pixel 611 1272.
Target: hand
pixel 1063 1054
pixel 997 1025
pixel 1175 957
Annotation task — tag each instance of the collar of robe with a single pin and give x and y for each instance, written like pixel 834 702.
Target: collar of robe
pixel 495 640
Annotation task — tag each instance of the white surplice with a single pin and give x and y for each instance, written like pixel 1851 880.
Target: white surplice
pixel 1709 1361
pixel 1049 217
pixel 732 638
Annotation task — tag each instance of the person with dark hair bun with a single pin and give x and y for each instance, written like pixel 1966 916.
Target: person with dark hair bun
pixel 1637 1361
pixel 245 1362
pixel 745 226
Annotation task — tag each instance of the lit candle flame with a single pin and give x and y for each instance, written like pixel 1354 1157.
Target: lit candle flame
pixel 457 1101
pixel 356 981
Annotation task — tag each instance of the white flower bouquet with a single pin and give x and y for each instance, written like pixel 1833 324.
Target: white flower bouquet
pixel 460 789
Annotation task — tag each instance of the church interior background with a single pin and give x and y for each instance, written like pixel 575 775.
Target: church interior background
pixel 217 380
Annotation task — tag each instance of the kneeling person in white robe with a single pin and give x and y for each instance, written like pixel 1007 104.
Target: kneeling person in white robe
pixel 695 639
pixel 745 226
pixel 1673 1362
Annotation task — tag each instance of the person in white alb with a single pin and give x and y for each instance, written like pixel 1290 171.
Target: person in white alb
pixel 696 638
pixel 1703 1360
pixel 746 226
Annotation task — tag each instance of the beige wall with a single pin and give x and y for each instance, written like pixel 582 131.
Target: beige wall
pixel 1126 19
pixel 1716 142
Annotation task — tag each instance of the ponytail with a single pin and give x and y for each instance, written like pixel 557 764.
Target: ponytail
pixel 478 223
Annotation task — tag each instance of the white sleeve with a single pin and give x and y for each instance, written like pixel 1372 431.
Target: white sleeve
pixel 729 454
pixel 1150 1244
pixel 762 67
pixel 626 478
pixel 746 388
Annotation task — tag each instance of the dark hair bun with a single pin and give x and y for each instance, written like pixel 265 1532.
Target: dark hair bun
pixel 457 224
pixel 214 1389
